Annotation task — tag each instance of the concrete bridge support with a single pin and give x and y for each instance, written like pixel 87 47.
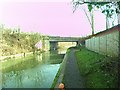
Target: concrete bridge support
pixel 45 45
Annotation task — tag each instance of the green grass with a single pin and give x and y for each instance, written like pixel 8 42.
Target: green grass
pixel 93 67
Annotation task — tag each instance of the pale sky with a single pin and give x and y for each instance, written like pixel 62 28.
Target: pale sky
pixel 51 18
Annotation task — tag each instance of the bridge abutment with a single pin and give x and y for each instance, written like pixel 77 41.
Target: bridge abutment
pixel 45 45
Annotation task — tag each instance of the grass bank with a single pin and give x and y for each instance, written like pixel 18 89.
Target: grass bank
pixel 98 70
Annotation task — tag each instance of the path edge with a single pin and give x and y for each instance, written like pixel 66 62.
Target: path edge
pixel 60 73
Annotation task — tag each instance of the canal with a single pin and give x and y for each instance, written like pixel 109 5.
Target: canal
pixel 34 73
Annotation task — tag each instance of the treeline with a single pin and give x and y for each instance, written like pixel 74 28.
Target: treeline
pixel 15 41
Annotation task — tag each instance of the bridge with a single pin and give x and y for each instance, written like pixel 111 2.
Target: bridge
pixel 63 39
pixel 51 42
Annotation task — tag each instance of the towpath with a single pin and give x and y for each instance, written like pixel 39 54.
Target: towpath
pixel 72 77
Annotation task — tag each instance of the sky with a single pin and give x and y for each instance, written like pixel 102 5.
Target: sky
pixel 49 18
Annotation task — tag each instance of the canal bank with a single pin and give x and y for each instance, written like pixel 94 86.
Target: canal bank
pixel 82 68
pixel 68 73
pixel 60 74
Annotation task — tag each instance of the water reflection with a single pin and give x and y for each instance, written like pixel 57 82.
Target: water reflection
pixel 62 51
pixel 37 73
pixel 38 77
pixel 39 57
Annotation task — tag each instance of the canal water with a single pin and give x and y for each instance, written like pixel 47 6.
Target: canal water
pixel 37 73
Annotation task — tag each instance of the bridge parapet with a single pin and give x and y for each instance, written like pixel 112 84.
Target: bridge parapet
pixel 64 39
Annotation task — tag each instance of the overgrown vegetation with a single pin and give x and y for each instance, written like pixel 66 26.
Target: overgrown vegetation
pixel 15 41
pixel 98 70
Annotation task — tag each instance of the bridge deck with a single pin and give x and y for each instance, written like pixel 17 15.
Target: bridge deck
pixel 64 39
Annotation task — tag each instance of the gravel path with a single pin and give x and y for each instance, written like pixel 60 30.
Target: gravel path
pixel 72 77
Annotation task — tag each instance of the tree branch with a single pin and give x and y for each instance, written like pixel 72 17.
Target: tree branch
pixel 88 17
pixel 94 3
